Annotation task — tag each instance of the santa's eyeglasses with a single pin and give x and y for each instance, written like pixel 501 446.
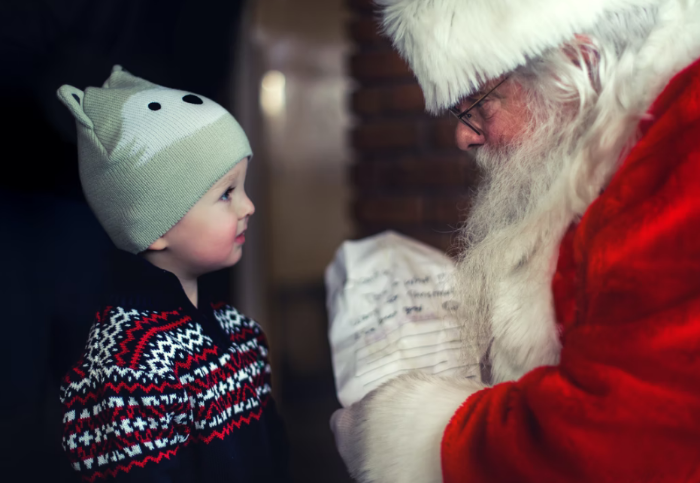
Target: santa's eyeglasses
pixel 462 116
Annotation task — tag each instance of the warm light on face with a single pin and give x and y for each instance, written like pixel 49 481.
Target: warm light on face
pixel 272 93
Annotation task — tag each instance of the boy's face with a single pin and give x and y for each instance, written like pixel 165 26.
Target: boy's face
pixel 211 235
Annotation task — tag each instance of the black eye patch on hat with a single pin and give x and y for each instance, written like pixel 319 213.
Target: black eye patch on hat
pixel 189 98
pixel 192 99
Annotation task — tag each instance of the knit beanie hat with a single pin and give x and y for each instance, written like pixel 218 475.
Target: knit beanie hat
pixel 148 153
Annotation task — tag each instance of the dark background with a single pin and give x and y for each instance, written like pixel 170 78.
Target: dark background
pixel 52 251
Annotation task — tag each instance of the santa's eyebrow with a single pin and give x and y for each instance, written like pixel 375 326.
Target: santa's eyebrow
pixel 486 91
pixel 472 98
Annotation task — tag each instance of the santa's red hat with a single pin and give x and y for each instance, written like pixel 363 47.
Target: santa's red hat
pixel 454 45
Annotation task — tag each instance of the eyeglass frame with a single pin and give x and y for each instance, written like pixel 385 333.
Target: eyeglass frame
pixel 465 113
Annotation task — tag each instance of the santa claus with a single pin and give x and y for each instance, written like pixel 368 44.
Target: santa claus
pixel 580 268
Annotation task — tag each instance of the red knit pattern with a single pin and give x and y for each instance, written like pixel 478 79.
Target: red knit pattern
pixel 152 382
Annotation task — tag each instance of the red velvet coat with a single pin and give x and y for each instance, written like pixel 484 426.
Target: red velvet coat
pixel 623 405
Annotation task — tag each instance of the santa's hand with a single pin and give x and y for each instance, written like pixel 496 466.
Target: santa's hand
pixel 394 434
pixel 347 429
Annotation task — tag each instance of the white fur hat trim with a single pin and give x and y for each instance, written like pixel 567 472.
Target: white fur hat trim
pixel 453 46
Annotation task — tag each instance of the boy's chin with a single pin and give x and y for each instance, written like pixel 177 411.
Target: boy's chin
pixel 233 258
pixel 210 263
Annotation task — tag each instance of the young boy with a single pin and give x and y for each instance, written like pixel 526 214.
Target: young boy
pixel 172 387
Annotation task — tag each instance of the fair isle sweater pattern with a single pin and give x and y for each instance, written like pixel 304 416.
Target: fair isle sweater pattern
pixel 152 382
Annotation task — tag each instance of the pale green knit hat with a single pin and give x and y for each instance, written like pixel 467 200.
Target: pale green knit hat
pixel 148 153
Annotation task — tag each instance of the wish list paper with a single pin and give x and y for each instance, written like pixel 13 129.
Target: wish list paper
pixel 392 309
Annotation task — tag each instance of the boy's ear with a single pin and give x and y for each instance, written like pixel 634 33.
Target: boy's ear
pixel 158 245
pixel 73 98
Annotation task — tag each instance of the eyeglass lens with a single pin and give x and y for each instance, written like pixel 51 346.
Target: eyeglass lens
pixel 464 115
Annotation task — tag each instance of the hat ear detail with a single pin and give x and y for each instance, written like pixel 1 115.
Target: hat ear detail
pixel 73 98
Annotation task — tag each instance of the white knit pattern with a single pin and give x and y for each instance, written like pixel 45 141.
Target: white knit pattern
pixel 145 132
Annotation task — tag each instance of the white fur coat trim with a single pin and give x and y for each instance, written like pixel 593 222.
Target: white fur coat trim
pixel 403 424
pixel 454 45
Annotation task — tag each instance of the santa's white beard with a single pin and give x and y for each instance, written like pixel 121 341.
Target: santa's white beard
pixel 583 118
pixel 510 244
pixel 515 179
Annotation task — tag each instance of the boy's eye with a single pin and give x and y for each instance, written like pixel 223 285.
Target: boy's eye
pixel 227 195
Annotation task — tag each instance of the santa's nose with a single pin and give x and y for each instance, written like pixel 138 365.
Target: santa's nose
pixel 467 138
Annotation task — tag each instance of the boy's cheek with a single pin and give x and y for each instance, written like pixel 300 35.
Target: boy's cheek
pixel 209 242
pixel 220 243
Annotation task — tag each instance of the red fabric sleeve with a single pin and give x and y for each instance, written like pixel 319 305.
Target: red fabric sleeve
pixel 564 282
pixel 624 403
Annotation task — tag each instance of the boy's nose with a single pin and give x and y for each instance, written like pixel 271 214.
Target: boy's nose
pixel 250 207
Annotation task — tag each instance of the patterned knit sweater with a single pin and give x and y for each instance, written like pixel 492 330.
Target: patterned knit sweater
pixel 166 392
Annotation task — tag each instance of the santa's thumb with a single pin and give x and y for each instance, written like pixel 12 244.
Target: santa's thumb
pixel 346 425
